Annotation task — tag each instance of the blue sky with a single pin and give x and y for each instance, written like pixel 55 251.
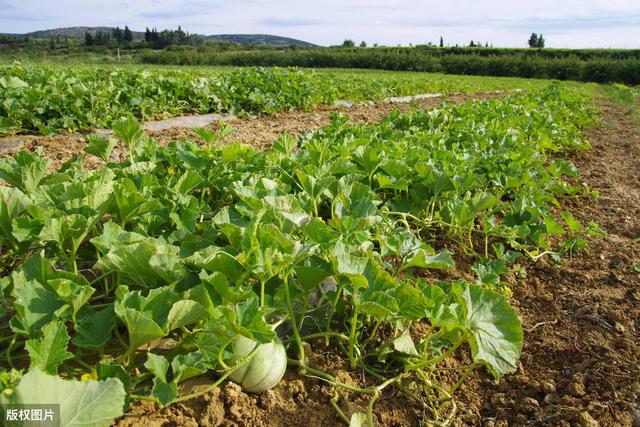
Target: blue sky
pixel 564 23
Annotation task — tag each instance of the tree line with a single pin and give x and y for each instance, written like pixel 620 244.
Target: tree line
pixel 152 38
pixel 105 38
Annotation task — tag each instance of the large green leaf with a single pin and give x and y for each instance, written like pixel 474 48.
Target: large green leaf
pixel 424 259
pixel 494 329
pixel 214 259
pixel 147 262
pixel 12 203
pixel 95 329
pixel 142 328
pixel 24 171
pixel 131 202
pixel 183 313
pixel 48 352
pixel 100 147
pixel 35 306
pixel 82 403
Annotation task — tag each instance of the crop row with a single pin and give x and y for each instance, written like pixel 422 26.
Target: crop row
pixel 58 99
pixel 144 273
pixel 47 100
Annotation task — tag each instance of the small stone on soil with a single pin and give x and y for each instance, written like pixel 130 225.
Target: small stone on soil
pixel 576 386
pixel 530 405
pixel 584 419
pixel 548 387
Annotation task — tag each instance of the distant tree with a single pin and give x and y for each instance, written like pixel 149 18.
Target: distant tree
pixel 154 36
pixel 540 41
pixel 472 44
pixel 533 40
pixel 486 44
pixel 348 43
pixel 118 35
pixel 88 39
pixel 52 43
pixel 441 42
pixel 180 35
pixel 375 45
pixel 128 35
pixel 363 44
pixel 101 38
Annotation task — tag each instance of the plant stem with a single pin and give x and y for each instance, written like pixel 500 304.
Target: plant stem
pixel 352 338
pixel 325 334
pixel 373 332
pixel 464 376
pixel 8 353
pixel 326 377
pixel 221 351
pixel 437 359
pixel 334 403
pixel 294 323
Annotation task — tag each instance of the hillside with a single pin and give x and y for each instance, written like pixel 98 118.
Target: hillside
pixel 257 39
pixel 75 32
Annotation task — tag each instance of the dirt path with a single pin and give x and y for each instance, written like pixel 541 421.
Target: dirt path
pixel 581 359
pixel 258 131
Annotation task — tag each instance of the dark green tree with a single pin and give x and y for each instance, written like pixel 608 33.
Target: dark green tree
pixel 88 39
pixel 128 35
pixel 441 42
pixel 540 41
pixel 533 40
pixel 348 43
pixel 363 44
pixel 101 38
pixel 118 35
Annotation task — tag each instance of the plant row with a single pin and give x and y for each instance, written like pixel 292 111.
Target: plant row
pixel 46 100
pixel 142 274
pixel 63 99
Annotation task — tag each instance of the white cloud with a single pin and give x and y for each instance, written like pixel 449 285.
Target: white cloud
pixel 570 23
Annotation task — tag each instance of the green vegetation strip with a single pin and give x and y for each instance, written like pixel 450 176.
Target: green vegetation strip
pixel 596 65
pixel 63 99
pixel 142 274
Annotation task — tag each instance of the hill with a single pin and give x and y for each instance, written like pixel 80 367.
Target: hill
pixel 75 32
pixel 259 39
pixel 256 39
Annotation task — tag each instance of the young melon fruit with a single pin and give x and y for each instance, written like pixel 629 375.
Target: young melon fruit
pixel 265 369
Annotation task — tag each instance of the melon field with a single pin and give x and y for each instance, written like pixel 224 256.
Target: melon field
pixel 330 254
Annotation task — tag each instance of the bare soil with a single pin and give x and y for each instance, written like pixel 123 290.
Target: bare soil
pixel 581 357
